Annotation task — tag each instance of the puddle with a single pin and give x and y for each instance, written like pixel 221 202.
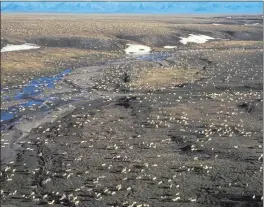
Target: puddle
pixel 28 92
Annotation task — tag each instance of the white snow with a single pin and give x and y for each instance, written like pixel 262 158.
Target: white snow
pixel 195 38
pixel 170 47
pixel 26 46
pixel 137 49
pixel 216 24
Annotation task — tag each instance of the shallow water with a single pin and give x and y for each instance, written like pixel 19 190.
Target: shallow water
pixel 35 88
pixel 28 92
pixel 154 56
pixel 7 115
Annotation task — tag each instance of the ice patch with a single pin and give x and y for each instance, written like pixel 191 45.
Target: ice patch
pixel 26 46
pixel 170 47
pixel 137 49
pixel 196 39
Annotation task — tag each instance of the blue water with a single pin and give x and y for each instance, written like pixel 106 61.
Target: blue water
pixel 6 116
pixel 32 103
pixel 153 56
pixel 35 87
pixel 32 89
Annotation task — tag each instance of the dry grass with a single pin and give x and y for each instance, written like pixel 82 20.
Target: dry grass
pixel 83 26
pixel 25 25
pixel 43 61
pixel 163 77
pixel 147 28
pixel 229 44
pixel 46 58
pixel 16 28
pixel 220 44
pixel 35 25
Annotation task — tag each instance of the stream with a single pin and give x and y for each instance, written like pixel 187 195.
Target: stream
pixel 31 97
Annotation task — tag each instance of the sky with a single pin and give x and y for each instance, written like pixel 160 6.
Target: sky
pixel 135 7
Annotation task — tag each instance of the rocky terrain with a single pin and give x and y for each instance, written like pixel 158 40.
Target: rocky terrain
pixel 176 127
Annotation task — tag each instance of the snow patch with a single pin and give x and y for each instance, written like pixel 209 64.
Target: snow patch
pixel 169 47
pixel 216 24
pixel 137 49
pixel 26 46
pixel 196 39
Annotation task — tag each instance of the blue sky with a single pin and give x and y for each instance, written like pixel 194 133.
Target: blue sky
pixel 136 7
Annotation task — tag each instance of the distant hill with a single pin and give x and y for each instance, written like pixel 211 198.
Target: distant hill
pixel 134 7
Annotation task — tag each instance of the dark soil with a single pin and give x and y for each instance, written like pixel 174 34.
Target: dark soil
pixel 79 42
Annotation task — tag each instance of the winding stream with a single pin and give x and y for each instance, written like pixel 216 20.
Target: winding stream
pixel 32 98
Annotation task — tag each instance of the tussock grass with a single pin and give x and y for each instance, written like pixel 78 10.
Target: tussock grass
pixel 224 44
pixel 82 26
pixel 163 77
pixel 43 61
